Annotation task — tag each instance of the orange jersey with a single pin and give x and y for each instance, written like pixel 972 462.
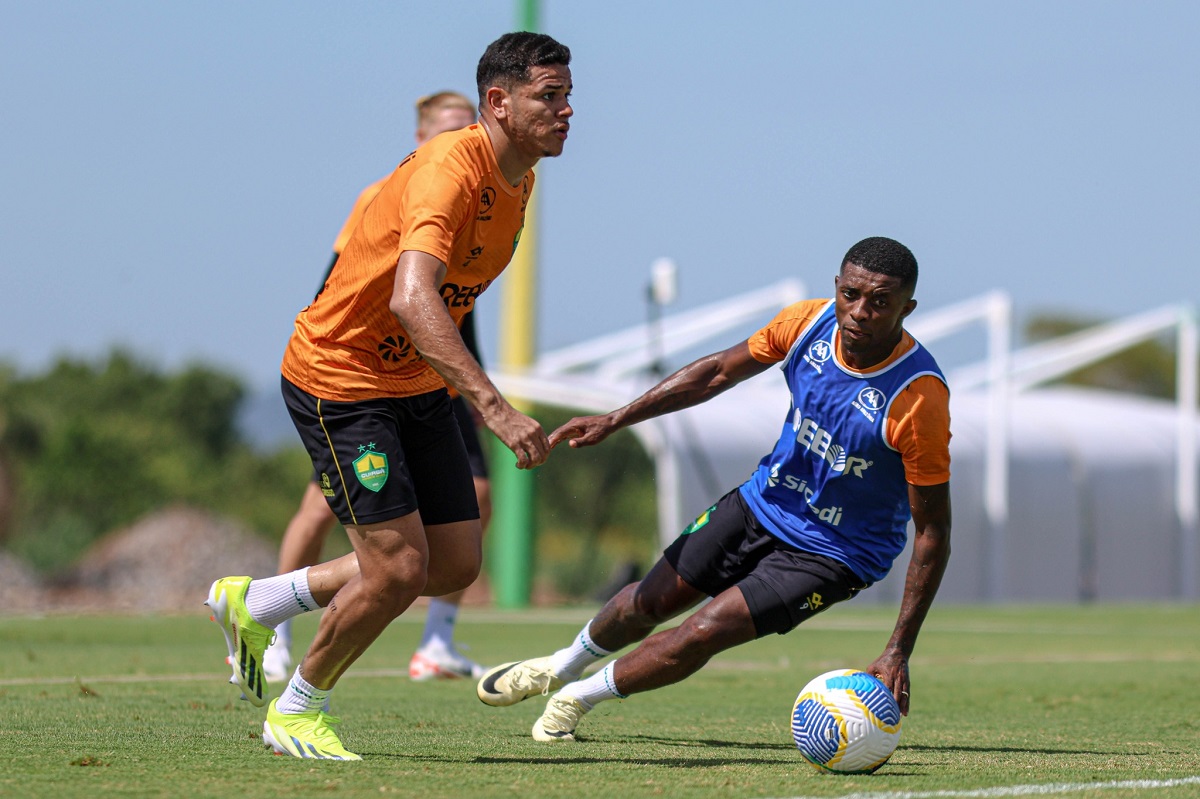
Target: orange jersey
pixel 448 199
pixel 918 426
pixel 356 214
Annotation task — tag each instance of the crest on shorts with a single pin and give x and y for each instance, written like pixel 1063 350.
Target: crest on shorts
pixel 371 467
pixel 701 520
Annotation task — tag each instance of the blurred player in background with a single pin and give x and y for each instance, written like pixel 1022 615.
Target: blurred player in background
pixel 436 656
pixel 365 379
pixel 865 446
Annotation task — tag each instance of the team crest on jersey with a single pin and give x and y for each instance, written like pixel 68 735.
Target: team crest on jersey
pixel 371 467
pixel 870 401
pixel 487 198
pixel 818 353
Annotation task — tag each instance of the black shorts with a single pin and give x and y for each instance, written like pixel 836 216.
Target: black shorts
pixel 470 434
pixel 784 586
pixel 381 459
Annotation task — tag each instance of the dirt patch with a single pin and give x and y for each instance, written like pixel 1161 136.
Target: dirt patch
pixel 20 589
pixel 163 563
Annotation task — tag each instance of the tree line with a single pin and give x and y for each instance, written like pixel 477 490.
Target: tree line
pixel 89 446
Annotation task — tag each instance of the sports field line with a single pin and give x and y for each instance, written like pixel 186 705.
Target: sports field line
pixel 1021 790
pixel 781 664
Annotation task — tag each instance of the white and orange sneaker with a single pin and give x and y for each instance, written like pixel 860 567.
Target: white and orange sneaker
pixel 438 662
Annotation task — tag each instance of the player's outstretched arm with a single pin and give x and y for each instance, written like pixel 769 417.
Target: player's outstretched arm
pixel 699 381
pixel 418 305
pixel 931 552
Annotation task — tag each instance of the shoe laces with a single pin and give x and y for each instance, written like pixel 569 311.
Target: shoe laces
pixel 525 678
pixel 563 714
pixel 320 727
pixel 271 636
pixel 256 633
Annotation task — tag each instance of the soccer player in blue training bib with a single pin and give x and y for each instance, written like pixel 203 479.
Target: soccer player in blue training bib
pixel 864 448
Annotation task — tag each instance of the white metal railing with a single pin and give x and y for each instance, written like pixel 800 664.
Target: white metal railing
pixel 1048 360
pixel 626 352
pixel 606 372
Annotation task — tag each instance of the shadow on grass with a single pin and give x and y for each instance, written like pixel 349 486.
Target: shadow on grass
pixel 1014 749
pixel 665 762
pixel 786 756
pixel 607 760
pixel 706 742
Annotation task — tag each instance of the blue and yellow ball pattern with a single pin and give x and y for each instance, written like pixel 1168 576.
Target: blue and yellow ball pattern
pixel 846 721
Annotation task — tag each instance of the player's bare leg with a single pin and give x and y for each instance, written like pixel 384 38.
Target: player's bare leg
pixel 301 546
pixel 394 565
pixel 628 617
pixel 362 592
pixel 437 656
pixel 661 659
pixel 639 607
pixel 673 655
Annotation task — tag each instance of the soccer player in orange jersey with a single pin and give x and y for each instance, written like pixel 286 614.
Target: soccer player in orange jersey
pixel 864 447
pixel 436 657
pixel 365 378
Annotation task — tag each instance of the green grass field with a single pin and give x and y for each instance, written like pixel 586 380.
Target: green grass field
pixel 1067 701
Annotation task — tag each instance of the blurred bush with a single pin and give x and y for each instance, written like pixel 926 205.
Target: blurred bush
pixel 87 447
pixel 596 511
pixel 91 446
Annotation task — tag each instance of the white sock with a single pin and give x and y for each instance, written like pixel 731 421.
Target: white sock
pixel 583 652
pixel 276 599
pixel 597 688
pixel 439 624
pixel 301 697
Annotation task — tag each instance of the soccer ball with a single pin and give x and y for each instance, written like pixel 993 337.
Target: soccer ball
pixel 846 721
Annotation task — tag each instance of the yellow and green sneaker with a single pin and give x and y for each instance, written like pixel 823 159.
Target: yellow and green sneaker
pixel 246 638
pixel 307 735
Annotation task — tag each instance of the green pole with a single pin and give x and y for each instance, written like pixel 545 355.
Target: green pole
pixel 511 539
pixel 527 15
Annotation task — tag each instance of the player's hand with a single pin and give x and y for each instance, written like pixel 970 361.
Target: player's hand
pixel 892 670
pixel 524 436
pixel 583 431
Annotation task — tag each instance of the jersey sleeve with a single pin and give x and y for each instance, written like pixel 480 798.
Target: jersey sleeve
pixel 772 343
pixel 918 427
pixel 437 203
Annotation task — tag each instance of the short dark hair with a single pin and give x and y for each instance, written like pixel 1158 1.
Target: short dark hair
pixel 884 256
pixel 508 59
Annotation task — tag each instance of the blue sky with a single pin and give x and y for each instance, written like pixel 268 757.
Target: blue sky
pixel 175 173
